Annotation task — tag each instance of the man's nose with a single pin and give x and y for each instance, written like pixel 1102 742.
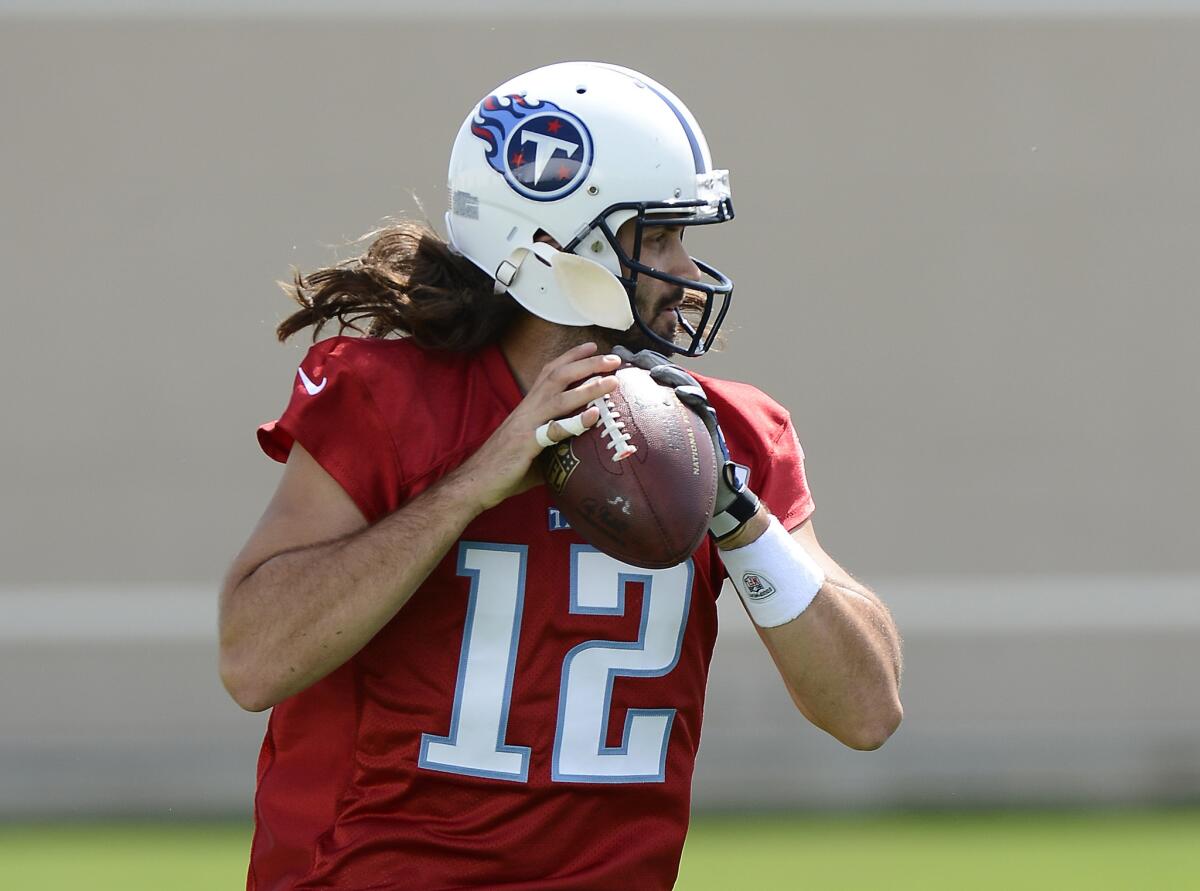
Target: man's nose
pixel 682 263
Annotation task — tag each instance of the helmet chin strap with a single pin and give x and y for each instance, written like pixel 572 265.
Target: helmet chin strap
pixel 564 288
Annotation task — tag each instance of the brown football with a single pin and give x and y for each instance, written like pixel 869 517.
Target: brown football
pixel 639 485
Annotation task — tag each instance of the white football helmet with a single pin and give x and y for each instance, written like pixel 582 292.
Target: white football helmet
pixel 575 150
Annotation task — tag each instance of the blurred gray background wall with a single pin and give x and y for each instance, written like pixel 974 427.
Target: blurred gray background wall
pixel 966 257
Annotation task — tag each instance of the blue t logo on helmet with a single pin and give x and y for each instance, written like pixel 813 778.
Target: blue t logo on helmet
pixel 542 151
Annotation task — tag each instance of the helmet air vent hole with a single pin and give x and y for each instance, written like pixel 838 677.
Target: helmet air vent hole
pixel 581 89
pixel 511 232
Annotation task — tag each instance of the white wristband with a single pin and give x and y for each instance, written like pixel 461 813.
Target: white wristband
pixel 775 577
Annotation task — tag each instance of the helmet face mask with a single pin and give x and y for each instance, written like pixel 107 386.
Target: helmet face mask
pixel 576 150
pixel 717 293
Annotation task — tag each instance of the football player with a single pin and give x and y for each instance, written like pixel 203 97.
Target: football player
pixel 464 694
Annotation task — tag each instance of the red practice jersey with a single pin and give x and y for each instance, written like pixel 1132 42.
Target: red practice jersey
pixel 530 718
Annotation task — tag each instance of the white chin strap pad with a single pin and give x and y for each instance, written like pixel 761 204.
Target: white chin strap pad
pixel 593 291
pixel 564 288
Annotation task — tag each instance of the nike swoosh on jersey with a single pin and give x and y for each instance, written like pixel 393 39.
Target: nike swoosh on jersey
pixel 309 386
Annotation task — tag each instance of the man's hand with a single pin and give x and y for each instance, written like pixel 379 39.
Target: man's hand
pixel 735 504
pixel 503 466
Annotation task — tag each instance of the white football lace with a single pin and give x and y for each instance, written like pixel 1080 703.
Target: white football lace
pixel 613 429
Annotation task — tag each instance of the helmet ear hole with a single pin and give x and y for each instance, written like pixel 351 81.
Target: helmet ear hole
pixel 541 235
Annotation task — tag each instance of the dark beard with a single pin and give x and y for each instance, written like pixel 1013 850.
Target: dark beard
pixel 634 338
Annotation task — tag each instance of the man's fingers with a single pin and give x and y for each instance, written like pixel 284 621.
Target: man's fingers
pixel 554 432
pixel 588 366
pixel 573 400
pixel 575 354
pixel 554 394
pixel 593 388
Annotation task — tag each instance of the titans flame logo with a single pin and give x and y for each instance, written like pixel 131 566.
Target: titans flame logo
pixel 542 151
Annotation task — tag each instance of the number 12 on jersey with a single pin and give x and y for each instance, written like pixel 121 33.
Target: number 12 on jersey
pixel 476 744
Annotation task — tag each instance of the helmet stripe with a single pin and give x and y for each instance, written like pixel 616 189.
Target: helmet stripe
pixel 697 155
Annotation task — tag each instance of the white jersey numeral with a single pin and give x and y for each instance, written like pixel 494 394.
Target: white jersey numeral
pixel 598 587
pixel 479 721
pixel 475 744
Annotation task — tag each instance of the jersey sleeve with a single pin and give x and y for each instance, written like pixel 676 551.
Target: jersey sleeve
pixel 334 416
pixel 760 434
pixel 779 479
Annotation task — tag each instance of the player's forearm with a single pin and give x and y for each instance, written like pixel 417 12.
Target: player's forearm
pixel 840 654
pixel 840 659
pixel 303 613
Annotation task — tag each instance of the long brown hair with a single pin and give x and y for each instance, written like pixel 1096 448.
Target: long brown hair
pixel 409 282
